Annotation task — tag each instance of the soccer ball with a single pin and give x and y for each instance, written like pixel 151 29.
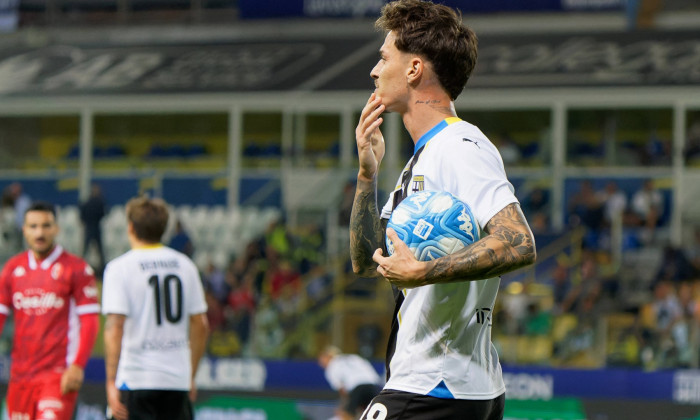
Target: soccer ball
pixel 433 224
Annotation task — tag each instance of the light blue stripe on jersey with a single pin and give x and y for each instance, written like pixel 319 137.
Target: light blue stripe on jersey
pixel 124 387
pixel 425 138
pixel 441 391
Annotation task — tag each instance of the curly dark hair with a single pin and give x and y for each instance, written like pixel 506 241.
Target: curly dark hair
pixel 436 33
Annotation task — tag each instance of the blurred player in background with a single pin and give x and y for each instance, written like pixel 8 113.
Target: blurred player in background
pixel 54 299
pixel 353 377
pixel 156 327
pixel 441 362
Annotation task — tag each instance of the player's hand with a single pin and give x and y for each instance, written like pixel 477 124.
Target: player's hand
pixel 119 411
pixel 72 379
pixel 402 269
pixel 370 142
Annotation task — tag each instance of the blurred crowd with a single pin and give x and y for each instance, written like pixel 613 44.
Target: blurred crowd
pixel 621 294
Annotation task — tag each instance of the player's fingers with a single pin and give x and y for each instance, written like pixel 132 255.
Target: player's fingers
pixel 120 412
pixel 374 126
pixel 368 106
pixel 394 238
pixel 378 253
pixel 369 112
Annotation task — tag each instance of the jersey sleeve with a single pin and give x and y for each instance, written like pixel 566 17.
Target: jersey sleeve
pixel 332 376
pixel 196 304
pixel 114 293
pixel 5 298
pixel 476 176
pixel 85 289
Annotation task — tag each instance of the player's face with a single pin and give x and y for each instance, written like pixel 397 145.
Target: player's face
pixel 390 74
pixel 40 230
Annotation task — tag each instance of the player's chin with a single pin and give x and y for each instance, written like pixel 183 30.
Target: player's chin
pixel 40 247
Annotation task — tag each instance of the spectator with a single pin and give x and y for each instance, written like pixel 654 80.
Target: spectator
pixel 614 203
pixel 284 277
pixel 586 293
pixel 92 211
pixel 669 330
pixel 692 252
pixel 510 152
pixel 215 282
pixel 20 203
pixel 561 285
pixel 585 207
pixel 181 240
pixel 241 305
pixel 692 148
pixel 647 205
pixel 215 311
pixel 674 266
pixel 536 201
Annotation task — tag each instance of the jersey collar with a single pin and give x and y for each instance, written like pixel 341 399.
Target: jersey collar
pixel 425 138
pixel 150 246
pixel 46 262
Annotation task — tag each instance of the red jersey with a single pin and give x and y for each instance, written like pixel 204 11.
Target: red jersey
pixel 46 297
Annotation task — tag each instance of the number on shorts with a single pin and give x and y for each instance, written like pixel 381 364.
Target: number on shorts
pixel 376 411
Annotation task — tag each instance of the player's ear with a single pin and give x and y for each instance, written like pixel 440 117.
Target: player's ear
pixel 415 69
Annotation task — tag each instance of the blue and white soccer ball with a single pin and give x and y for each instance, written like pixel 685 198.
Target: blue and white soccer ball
pixel 433 224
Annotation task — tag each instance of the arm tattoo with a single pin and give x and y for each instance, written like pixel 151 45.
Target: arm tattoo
pixel 366 232
pixel 509 245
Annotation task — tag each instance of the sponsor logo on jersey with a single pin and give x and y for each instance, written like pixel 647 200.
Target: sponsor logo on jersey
pixel 483 316
pixel 36 301
pixel 19 416
pixel 19 271
pixel 472 141
pixel 156 344
pixel 56 271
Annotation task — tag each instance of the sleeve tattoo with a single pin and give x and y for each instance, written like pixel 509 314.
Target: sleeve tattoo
pixel 366 230
pixel 508 245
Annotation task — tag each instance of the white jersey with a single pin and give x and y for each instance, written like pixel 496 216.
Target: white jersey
pixel 348 371
pixel 157 288
pixel 443 346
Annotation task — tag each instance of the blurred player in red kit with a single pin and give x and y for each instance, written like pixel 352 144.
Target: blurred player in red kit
pixel 53 295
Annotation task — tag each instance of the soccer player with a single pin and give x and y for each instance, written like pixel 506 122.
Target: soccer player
pixel 53 296
pixel 353 377
pixel 156 327
pixel 441 363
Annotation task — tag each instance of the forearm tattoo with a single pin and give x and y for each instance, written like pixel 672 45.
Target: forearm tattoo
pixel 509 245
pixel 366 232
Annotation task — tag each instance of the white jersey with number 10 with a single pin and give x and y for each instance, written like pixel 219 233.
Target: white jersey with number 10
pixel 158 289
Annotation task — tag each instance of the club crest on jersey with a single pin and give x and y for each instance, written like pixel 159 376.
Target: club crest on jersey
pixel 88 270
pixel 19 271
pixel 56 271
pixel 418 183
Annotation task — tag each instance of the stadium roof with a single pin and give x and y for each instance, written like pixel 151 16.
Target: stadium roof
pixel 325 56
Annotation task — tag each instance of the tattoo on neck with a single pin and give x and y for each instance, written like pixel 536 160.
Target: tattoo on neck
pixel 429 101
